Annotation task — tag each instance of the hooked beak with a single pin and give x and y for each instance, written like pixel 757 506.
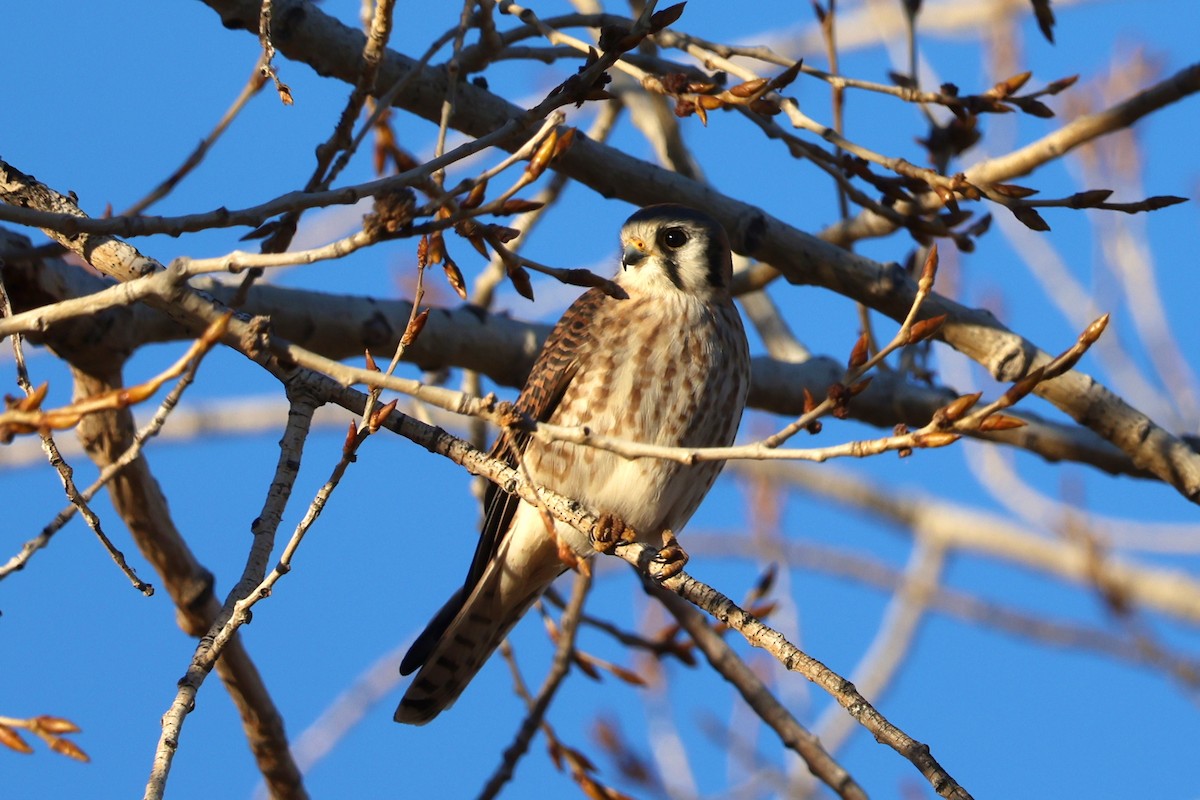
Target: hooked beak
pixel 633 254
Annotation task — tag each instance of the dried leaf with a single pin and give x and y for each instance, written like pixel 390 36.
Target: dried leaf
pixel 1045 18
pixel 765 581
pixel 935 438
pixel 955 409
pixel 629 676
pixel 839 396
pixel 423 251
pixel 454 275
pixel 591 788
pixel 1161 201
pixel 477 241
pixel 1013 190
pixel 749 88
pixel 1089 199
pixel 1024 386
pixel 1029 218
pixel 1010 85
pixel 765 106
pixel 503 233
pixel 435 252
pixel 1001 422
pixel 380 417
pixel 520 282
pixel 1092 332
pixel 404 160
pixel 579 759
pixel 33 401
pixel 519 206
pixel 859 353
pixel 11 739
pixel 668 15
pixel 925 328
pixel 556 753
pixel 809 402
pixel 68 748
pixel 628 43
pixel 929 269
pixel 1054 87
pixel 586 666
pixel 51 724
pixel 563 144
pixel 787 76
pixel 1035 108
pixel 414 328
pixel 542 156
pixel 261 232
pixel 611 37
pixel 475 197
pixel 980 226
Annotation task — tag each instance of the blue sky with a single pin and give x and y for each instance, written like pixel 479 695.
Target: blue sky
pixel 111 96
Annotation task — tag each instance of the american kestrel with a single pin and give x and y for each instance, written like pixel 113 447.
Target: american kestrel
pixel 668 364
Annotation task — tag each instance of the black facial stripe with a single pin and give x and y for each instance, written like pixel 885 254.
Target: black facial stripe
pixel 697 224
pixel 671 267
pixel 715 255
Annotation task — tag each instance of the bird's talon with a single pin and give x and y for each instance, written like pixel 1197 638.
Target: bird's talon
pixel 610 531
pixel 670 560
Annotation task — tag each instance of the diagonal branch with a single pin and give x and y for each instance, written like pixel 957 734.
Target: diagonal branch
pixel 718 605
pixel 136 496
pixel 306 34
pixel 793 735
pixel 219 636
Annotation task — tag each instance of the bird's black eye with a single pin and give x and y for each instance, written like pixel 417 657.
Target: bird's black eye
pixel 674 238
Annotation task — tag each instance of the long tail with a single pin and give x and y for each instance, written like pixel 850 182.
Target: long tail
pixel 462 636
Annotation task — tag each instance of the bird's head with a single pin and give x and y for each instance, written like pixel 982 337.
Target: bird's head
pixel 667 248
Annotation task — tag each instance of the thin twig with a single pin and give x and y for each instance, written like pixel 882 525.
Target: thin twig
pixel 725 661
pixel 712 601
pixel 559 667
pixel 253 85
pixel 222 627
pixel 150 430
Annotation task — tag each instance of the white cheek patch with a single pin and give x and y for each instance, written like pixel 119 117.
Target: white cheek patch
pixel 648 278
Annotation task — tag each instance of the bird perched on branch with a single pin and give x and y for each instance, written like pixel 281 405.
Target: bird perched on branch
pixel 668 365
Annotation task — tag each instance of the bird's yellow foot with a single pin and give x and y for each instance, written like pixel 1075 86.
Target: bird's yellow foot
pixel 610 531
pixel 670 560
